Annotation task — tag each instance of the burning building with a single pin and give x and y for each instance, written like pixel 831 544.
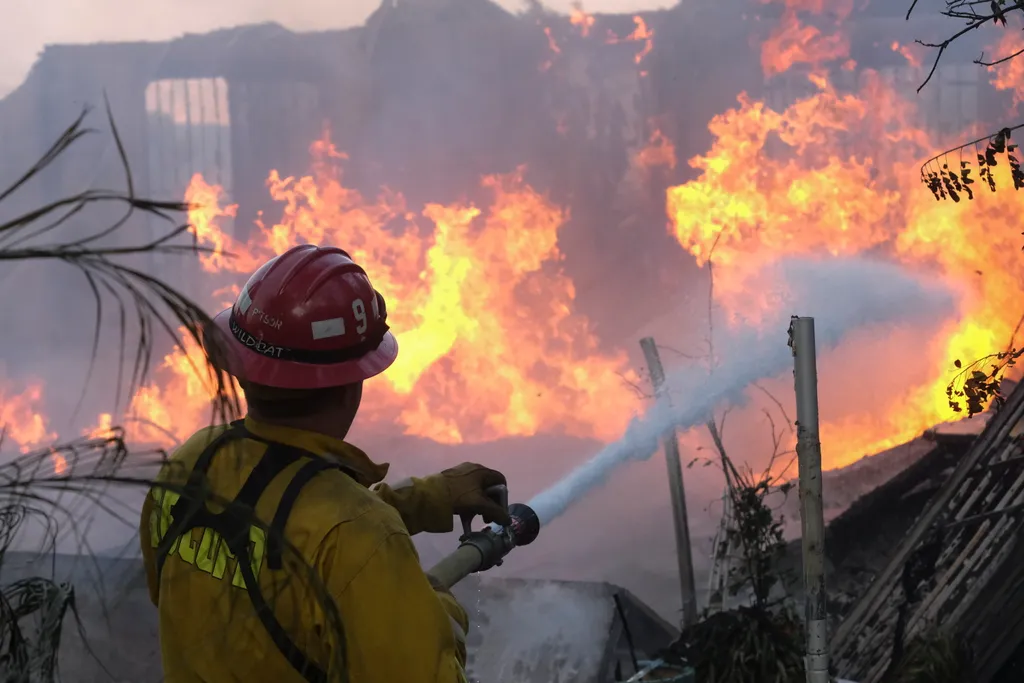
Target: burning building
pixel 583 118
pixel 529 191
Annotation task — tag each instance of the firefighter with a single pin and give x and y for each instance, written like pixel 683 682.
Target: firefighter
pixel 273 550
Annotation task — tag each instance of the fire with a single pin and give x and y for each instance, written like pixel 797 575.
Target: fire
pixel 203 223
pixel 584 22
pixel 641 34
pixel 792 42
pixel 490 343
pixel 658 152
pixel 23 422
pixel 1008 75
pixel 578 17
pixel 908 53
pixel 104 427
pixel 22 418
pixel 825 194
pixel 168 411
pixel 552 48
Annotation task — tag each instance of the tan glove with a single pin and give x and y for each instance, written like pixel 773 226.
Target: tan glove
pixel 466 490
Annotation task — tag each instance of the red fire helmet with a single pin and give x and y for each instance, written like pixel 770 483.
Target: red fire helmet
pixel 308 319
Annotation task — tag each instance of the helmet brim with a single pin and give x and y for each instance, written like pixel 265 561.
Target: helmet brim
pixel 249 366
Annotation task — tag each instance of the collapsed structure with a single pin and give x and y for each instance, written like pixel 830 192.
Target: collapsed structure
pixel 959 568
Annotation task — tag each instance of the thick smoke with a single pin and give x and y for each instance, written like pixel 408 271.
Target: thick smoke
pixel 841 295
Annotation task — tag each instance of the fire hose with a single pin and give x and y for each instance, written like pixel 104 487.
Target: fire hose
pixel 480 550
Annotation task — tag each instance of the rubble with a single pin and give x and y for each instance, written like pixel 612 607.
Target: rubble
pixel 957 564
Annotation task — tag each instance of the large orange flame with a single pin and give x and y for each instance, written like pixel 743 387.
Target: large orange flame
pixel 824 191
pixel 490 345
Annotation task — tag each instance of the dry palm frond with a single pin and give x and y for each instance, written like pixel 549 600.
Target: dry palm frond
pixel 156 306
pixel 32 610
pixel 32 655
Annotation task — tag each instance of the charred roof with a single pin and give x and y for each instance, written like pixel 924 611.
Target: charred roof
pixel 960 566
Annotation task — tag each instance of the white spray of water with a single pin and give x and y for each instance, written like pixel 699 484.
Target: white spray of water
pixel 841 295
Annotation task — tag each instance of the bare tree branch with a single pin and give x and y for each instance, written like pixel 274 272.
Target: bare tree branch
pixel 981 62
pixel 965 10
pixel 770 395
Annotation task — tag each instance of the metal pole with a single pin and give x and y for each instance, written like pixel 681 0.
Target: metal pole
pixel 812 518
pixel 678 493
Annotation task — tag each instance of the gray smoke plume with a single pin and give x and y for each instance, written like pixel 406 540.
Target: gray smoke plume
pixel 842 295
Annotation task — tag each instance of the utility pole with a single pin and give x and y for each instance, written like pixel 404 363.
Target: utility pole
pixel 812 518
pixel 675 484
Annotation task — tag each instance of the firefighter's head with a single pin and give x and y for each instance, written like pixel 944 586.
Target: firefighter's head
pixel 306 330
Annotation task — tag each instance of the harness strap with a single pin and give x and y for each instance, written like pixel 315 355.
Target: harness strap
pixel 277 632
pixel 305 474
pixel 190 512
pixel 193 494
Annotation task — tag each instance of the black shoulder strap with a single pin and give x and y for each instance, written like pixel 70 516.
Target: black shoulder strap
pixel 276 453
pixel 284 508
pixel 192 499
pixel 190 512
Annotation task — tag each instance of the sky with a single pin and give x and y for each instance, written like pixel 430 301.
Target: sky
pixel 29 25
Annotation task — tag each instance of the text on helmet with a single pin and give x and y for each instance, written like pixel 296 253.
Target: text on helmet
pixel 257 345
pixel 263 317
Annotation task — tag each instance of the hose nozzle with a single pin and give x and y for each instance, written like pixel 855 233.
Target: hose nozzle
pixel 486 548
pixel 525 524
